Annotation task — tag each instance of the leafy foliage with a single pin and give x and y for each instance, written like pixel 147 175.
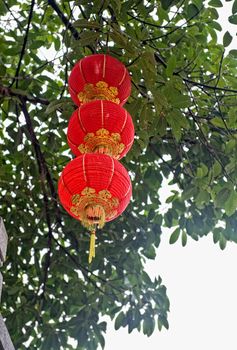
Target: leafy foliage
pixel 185 114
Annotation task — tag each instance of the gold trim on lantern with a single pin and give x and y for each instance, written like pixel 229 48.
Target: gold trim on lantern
pixel 100 91
pixel 92 208
pixel 102 142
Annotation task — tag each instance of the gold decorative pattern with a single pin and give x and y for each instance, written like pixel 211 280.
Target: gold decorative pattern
pixel 102 142
pixel 92 208
pixel 100 91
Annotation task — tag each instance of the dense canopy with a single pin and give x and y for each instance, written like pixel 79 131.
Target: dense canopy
pixel 184 109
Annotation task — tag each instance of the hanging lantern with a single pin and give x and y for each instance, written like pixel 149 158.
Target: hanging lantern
pixel 99 77
pixel 101 127
pixel 94 188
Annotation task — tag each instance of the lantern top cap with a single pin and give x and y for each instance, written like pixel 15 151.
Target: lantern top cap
pixel 100 56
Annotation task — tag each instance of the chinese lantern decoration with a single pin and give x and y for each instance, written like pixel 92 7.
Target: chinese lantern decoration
pixel 100 127
pixel 94 187
pixel 99 77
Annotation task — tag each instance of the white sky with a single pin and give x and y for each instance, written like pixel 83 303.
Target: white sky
pixel 202 288
pixel 201 283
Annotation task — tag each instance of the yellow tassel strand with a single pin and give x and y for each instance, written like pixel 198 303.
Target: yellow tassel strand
pixel 92 247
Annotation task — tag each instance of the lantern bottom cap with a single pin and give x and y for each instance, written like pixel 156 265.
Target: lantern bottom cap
pixel 93 216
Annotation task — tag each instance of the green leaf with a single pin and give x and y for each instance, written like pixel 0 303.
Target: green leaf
pixel 215 3
pixel 162 321
pixel 175 235
pixel 176 120
pixel 234 7
pixel 192 11
pixel 233 19
pixel 202 171
pixel 166 3
pixel 180 101
pixel 227 38
pixel 231 203
pixel 171 64
pixel 216 169
pixel 119 320
pixel 57 44
pixel 88 38
pixel 54 105
pixel 150 252
pixel 230 146
pixel 100 337
pixel 146 278
pixel 198 3
pixel 120 39
pixel 84 23
pixel 222 242
pixel 148 326
pixel 2 70
pixel 203 197
pixel 222 197
pixel 216 234
pixel 218 122
pixel 216 25
pixel 184 238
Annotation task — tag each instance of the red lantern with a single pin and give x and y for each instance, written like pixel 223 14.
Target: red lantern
pixel 99 77
pixel 101 127
pixel 94 188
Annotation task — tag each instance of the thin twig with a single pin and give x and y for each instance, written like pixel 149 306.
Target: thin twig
pixel 11 12
pixel 24 43
pixel 148 23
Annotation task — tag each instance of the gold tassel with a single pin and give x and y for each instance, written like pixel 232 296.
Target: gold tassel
pixel 92 247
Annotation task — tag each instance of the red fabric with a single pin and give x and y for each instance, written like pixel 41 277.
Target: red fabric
pixel 100 172
pixel 99 67
pixel 98 114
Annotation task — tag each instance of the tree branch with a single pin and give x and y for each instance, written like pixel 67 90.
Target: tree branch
pixel 49 243
pixel 42 165
pixel 6 91
pixel 67 23
pixel 148 23
pixel 160 59
pixel 176 28
pixel 215 88
pixel 64 19
pixel 44 175
pixel 24 43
